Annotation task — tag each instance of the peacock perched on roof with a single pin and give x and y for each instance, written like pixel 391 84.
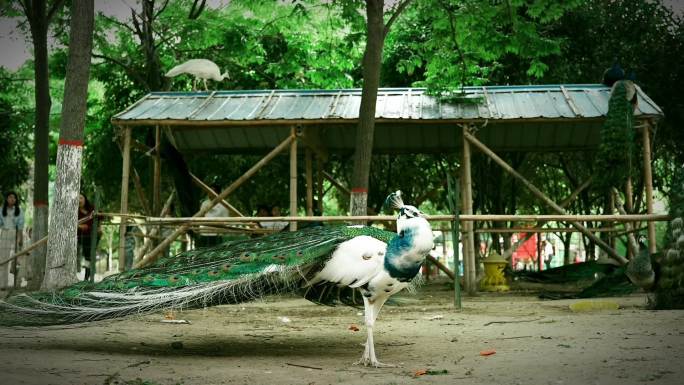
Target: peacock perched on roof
pixel 327 265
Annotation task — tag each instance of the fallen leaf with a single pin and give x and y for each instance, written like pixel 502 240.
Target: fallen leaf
pixel 420 372
pixel 488 352
pixel 353 328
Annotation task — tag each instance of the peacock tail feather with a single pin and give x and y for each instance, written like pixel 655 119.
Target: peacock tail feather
pixel 615 151
pixel 232 272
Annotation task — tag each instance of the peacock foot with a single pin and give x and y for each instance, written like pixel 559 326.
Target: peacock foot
pixel 368 361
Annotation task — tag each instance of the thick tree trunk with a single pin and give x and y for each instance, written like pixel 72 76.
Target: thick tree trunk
pixel 62 248
pixel 372 60
pixel 39 29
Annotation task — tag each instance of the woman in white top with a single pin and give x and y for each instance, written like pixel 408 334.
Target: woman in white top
pixel 11 226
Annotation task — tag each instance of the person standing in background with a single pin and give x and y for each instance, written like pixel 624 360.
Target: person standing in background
pixel 85 210
pixel 11 228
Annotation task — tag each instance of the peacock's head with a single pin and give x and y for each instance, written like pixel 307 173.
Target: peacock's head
pixel 407 213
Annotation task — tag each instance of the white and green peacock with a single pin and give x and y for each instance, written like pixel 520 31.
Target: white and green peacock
pixel 327 265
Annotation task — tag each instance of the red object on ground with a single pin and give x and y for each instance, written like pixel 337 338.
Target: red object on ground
pixel 487 352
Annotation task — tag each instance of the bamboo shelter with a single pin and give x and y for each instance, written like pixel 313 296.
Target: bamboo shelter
pixel 408 121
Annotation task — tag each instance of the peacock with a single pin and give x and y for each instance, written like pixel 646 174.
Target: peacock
pixel 201 69
pixel 326 264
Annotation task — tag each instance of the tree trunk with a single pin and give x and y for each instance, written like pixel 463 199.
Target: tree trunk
pixel 37 17
pixel 566 246
pixel 62 247
pixel 372 60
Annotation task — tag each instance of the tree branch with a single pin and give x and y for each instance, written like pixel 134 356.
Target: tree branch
pixel 126 68
pixel 117 22
pixel 56 6
pixel 398 9
pixel 161 9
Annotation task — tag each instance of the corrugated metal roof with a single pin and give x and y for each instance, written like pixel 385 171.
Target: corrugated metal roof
pixel 519 118
pixel 496 103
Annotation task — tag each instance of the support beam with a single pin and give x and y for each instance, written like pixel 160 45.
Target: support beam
pixel 156 182
pixel 629 206
pixel 182 229
pixel 469 244
pixel 648 184
pixel 609 251
pixel 293 178
pixel 125 171
pixel 213 194
pixel 309 182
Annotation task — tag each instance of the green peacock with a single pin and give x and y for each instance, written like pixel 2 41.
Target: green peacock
pixel 326 264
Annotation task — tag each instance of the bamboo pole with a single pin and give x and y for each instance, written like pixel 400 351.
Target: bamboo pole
pixel 469 244
pixel 293 178
pixel 141 193
pixel 126 168
pixel 213 194
pixel 147 244
pixel 309 182
pixel 335 183
pixel 453 199
pixel 431 218
pixel 154 254
pixel 35 245
pixel 648 185
pixel 156 183
pixel 440 266
pixel 610 251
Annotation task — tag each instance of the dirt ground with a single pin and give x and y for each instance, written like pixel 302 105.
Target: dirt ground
pixel 291 341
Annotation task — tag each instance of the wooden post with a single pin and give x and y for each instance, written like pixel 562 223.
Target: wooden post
pixel 125 171
pixel 610 251
pixel 156 183
pixel 309 182
pixel 154 254
pixel 648 185
pixel 293 178
pixel 469 244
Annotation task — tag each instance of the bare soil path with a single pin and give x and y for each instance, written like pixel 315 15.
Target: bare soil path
pixel 283 340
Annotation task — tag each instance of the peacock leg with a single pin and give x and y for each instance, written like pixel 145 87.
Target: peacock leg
pixel 205 85
pixel 194 84
pixel 371 311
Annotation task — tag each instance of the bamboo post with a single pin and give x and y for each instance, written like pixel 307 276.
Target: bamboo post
pixel 610 251
pixel 156 183
pixel 453 201
pixel 309 182
pixel 126 166
pixel 469 244
pixel 648 185
pixel 154 254
pixel 293 178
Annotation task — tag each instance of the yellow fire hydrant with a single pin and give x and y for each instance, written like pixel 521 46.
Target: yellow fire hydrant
pixel 494 279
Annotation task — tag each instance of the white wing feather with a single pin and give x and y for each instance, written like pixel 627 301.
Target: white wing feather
pixel 354 262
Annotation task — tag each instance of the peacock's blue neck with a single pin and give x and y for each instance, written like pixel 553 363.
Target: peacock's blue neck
pixel 407 250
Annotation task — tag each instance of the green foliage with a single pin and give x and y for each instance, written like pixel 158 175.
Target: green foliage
pixel 15 131
pixel 460 42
